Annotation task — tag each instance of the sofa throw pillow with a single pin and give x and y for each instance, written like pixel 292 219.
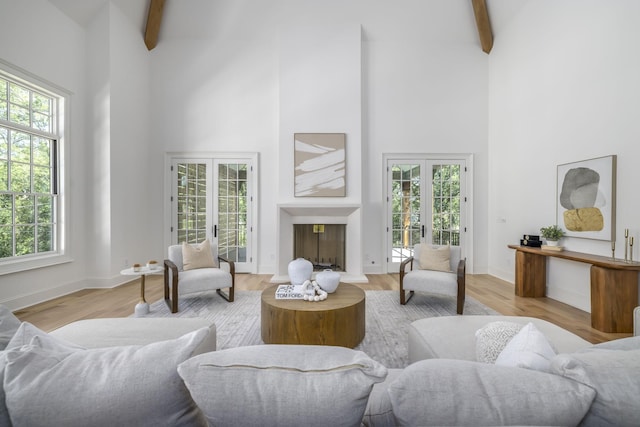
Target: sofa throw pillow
pixel 529 349
pixel 447 392
pixel 282 385
pixel 197 256
pixel 614 375
pixel 9 324
pixel 492 338
pixel 49 383
pixel 435 258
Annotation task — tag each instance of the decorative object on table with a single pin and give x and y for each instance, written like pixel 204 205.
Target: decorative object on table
pixel 153 265
pixel 136 267
pixel 587 198
pixel 552 248
pixel 631 249
pixel 319 162
pixel 531 241
pixel 328 280
pixel 312 292
pixel 552 234
pixel 299 271
pixel 613 249
pixel 289 291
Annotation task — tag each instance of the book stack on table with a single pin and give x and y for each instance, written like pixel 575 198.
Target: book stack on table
pixel 531 241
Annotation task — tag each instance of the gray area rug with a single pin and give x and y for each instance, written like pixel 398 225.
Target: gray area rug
pixel 238 323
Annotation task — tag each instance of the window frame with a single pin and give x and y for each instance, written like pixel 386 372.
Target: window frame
pixel 59 135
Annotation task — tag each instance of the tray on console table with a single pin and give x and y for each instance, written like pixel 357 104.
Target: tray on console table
pixel 614 284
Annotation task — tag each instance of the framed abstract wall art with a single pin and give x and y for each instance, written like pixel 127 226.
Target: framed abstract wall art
pixel 586 198
pixel 319 165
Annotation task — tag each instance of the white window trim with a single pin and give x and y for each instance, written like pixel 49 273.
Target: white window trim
pixel 61 255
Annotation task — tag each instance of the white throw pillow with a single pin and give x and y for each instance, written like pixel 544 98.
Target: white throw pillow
pixel 282 385
pixel 197 256
pixel 435 258
pixel 529 349
pixel 48 383
pixel 492 338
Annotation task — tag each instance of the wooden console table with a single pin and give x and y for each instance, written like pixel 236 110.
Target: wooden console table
pixel 614 284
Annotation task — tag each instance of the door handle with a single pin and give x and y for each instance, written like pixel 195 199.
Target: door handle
pixel 215 230
pixel 423 231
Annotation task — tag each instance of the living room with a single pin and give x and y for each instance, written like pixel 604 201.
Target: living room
pixel 556 88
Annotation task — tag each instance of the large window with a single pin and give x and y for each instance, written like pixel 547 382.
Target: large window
pixel 30 133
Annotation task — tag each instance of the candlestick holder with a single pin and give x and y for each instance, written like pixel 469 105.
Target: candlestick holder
pixel 613 250
pixel 626 244
pixel 631 250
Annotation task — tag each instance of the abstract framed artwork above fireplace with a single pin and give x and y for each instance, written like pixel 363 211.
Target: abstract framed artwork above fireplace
pixel 348 215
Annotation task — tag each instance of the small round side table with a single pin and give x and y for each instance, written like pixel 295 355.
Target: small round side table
pixel 142 307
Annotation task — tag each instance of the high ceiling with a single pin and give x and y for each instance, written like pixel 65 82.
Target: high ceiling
pixel 453 19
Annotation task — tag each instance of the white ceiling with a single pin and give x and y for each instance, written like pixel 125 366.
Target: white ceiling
pixel 83 11
pixel 453 19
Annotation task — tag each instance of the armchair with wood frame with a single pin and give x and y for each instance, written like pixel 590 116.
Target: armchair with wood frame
pixel 436 269
pixel 198 270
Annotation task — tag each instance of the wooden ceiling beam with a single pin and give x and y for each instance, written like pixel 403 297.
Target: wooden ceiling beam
pixel 483 24
pixel 154 18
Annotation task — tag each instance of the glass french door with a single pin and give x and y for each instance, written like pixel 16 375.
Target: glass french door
pixel 425 204
pixel 211 198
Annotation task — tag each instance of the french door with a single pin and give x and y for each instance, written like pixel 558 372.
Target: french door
pixel 213 198
pixel 425 204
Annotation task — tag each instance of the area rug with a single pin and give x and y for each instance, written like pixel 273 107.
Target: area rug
pixel 238 323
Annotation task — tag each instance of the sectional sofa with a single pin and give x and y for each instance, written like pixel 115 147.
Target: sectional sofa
pixel 165 372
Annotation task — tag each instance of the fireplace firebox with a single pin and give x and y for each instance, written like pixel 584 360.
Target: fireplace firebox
pixel 322 244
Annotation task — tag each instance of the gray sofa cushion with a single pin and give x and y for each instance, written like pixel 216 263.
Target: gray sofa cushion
pixel 434 337
pixel 111 332
pixel 440 392
pixel 50 383
pixel 614 374
pixel 9 324
pixel 282 385
pixel 379 412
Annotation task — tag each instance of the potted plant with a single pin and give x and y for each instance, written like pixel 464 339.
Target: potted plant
pixel 552 234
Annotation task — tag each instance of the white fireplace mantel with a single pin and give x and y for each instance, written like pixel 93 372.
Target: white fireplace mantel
pixel 320 213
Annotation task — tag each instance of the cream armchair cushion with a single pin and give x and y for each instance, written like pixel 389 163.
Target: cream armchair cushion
pixel 178 281
pixel 450 282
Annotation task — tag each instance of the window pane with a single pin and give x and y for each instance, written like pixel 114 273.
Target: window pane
pixel 4 143
pixel 25 210
pixel 45 209
pixel 41 179
pixel 4 177
pixel 41 103
pixel 45 238
pixel 25 239
pixel 19 115
pixel 18 95
pixel 6 209
pixel 3 90
pixel 3 110
pixel 20 147
pixel 41 151
pixel 41 122
pixel 6 241
pixel 20 178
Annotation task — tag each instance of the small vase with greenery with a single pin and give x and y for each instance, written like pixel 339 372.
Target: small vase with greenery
pixel 552 234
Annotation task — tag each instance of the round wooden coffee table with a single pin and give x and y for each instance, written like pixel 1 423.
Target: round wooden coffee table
pixel 338 320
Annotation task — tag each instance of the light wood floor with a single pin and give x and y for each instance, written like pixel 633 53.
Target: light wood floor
pixel 120 301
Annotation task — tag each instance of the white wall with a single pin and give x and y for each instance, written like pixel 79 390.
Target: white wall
pixel 52 47
pixel 216 86
pixel 564 87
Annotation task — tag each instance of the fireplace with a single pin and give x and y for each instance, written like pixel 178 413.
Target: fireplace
pixel 322 244
pixel 348 216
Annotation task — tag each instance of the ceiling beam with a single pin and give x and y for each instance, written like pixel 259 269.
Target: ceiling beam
pixel 483 24
pixel 154 18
